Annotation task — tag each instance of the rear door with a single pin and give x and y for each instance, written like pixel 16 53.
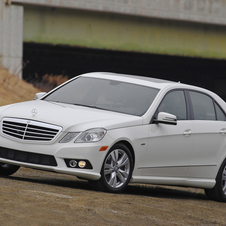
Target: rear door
pixel 209 135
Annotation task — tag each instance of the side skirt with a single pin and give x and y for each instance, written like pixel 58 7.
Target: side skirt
pixel 175 181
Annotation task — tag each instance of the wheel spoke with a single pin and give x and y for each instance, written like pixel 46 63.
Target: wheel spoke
pixel 124 163
pixel 123 160
pixel 113 180
pixel 224 175
pixel 121 177
pixel 114 156
pixel 124 173
pixel 108 169
pixel 224 189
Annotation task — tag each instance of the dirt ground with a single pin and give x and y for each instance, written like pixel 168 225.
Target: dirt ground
pixel 32 197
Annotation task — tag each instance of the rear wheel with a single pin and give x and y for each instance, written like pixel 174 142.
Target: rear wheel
pixel 218 192
pixel 116 170
pixel 7 169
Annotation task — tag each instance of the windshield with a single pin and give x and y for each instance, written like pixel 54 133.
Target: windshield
pixel 105 94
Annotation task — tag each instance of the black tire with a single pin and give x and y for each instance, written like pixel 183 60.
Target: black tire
pixel 116 171
pixel 7 169
pixel 218 192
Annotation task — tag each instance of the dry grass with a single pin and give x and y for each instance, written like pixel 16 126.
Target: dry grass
pixel 49 82
pixel 13 89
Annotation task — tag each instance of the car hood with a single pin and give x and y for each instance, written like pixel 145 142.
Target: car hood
pixel 69 117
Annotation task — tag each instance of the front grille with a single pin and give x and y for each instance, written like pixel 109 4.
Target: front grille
pixel 29 130
pixel 27 157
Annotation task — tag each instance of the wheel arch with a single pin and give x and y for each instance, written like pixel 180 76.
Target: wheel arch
pixel 102 184
pixel 220 158
pixel 129 146
pixel 220 165
pixel 217 192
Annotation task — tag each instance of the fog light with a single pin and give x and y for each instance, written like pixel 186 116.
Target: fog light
pixel 73 163
pixel 82 164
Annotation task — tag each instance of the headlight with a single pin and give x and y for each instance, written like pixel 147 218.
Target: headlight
pixel 68 137
pixel 92 135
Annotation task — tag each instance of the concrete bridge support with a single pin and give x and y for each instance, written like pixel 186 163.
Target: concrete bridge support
pixel 11 37
pixel 191 28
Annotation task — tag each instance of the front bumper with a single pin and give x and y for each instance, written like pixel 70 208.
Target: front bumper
pixel 42 156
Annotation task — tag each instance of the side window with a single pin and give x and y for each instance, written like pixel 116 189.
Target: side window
pixel 220 113
pixel 174 103
pixel 203 106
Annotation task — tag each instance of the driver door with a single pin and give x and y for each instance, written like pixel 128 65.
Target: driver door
pixel 170 146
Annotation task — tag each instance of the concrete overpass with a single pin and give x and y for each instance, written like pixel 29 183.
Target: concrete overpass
pixel 188 28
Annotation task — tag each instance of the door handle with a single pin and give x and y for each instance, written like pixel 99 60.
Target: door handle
pixel 187 132
pixel 223 131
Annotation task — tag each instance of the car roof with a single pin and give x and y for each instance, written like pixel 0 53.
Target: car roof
pixel 141 80
pixel 146 81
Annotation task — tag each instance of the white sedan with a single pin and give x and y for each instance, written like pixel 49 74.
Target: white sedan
pixel 112 129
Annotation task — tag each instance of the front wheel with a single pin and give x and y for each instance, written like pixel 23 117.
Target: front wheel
pixel 116 170
pixel 7 169
pixel 218 192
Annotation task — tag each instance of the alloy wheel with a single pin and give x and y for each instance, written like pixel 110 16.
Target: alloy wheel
pixel 117 168
pixel 223 181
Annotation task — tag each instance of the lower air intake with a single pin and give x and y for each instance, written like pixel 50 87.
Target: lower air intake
pixel 27 157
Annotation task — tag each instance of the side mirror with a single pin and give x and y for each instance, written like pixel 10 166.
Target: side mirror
pixel 166 118
pixel 39 95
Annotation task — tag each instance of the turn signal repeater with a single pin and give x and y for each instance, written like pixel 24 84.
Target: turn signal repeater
pixel 103 148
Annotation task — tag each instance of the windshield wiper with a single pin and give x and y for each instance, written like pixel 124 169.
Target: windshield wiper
pixel 89 106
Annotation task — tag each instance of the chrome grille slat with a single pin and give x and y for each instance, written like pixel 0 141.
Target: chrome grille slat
pixel 41 134
pixel 12 126
pixel 13 134
pixel 29 130
pixel 40 130
pixel 13 129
